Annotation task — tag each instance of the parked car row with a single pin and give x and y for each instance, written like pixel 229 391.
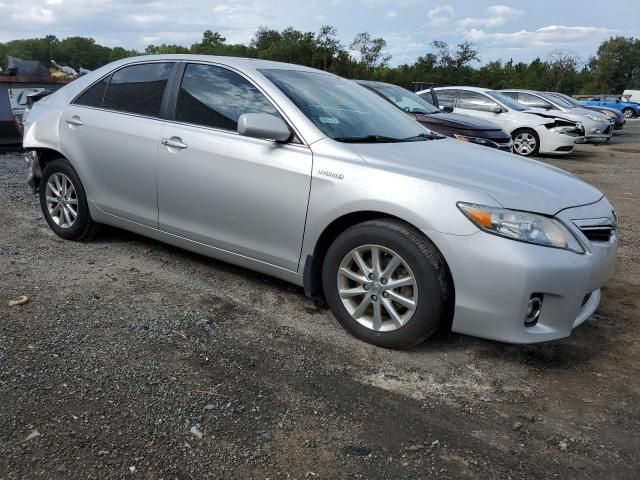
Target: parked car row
pixel 538 122
pixel 319 181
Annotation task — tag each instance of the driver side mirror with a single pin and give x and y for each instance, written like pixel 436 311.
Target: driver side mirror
pixel 447 109
pixel 495 109
pixel 264 126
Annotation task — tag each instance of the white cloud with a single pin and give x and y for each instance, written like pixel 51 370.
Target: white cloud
pixel 497 15
pixel 391 14
pixel 441 15
pixel 550 36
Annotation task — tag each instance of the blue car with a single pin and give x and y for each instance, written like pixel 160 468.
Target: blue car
pixel 629 109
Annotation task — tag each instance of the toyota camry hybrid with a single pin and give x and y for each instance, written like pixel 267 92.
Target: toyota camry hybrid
pixel 311 178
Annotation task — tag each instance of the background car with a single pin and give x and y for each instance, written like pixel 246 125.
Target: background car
pixel 628 109
pixel 532 132
pixel 462 127
pixel 616 115
pixel 597 127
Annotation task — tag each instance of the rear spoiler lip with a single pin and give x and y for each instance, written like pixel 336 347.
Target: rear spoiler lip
pixel 36 96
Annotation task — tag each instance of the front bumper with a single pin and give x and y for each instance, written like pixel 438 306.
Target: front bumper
pixel 556 143
pixel 494 279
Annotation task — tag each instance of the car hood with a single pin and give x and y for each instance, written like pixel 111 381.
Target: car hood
pixel 514 182
pixel 456 120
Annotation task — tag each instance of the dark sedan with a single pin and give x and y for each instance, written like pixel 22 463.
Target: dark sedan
pixel 462 127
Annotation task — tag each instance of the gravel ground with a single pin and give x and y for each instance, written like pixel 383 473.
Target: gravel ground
pixel 136 359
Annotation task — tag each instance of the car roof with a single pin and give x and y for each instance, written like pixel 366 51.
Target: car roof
pixel 241 63
pixel 462 87
pixel 522 90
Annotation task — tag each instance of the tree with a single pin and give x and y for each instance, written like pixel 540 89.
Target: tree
pixel 371 50
pixel 327 45
pixel 617 64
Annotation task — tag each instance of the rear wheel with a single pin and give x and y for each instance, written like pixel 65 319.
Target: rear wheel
pixel 629 113
pixel 526 142
pixel 63 201
pixel 386 283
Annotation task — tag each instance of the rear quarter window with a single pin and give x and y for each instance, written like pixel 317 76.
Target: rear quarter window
pixel 93 96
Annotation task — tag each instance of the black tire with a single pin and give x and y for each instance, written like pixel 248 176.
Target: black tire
pixel 83 227
pixel 426 263
pixel 525 131
pixel 629 113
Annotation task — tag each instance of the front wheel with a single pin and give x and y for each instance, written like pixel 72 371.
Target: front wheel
pixel 386 283
pixel 526 142
pixel 629 113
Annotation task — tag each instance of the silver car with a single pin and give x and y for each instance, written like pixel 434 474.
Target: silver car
pixel 597 126
pixel 313 179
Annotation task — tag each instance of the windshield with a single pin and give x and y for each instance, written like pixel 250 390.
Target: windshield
pixel 506 101
pixel 566 98
pixel 342 109
pixel 555 99
pixel 404 99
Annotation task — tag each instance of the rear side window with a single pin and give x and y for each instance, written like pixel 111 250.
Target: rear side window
pixel 475 101
pixel 92 97
pixel 216 97
pixel 138 89
pixel 446 98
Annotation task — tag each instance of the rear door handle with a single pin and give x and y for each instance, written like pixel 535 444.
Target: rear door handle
pixel 75 120
pixel 174 142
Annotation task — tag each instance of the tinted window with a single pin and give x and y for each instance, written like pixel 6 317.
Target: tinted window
pixel 446 98
pixel 92 97
pixel 475 101
pixel 513 95
pixel 216 97
pixel 138 89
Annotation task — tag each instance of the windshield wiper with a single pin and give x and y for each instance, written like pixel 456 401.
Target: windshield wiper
pixel 369 139
pixel 422 136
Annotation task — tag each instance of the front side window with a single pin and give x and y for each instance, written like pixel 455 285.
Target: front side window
pixel 215 97
pixel 138 89
pixel 342 109
pixel 475 101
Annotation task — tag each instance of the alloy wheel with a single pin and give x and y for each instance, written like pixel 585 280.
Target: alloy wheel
pixel 62 200
pixel 377 288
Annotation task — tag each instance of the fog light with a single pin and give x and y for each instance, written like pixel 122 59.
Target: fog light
pixel 533 310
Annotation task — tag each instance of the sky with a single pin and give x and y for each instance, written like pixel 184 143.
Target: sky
pixel 501 29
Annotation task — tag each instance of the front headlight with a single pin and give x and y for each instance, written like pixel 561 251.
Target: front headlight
pixel 522 226
pixel 478 140
pixel 594 118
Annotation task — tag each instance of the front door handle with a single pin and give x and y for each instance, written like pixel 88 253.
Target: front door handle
pixel 75 120
pixel 174 142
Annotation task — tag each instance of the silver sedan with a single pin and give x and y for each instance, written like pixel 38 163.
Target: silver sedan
pixel 313 179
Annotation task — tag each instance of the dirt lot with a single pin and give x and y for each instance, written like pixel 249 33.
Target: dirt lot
pixel 127 344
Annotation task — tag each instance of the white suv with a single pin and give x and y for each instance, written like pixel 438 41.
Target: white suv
pixel 532 132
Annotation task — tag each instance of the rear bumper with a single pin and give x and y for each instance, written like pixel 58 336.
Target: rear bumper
pixel 495 278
